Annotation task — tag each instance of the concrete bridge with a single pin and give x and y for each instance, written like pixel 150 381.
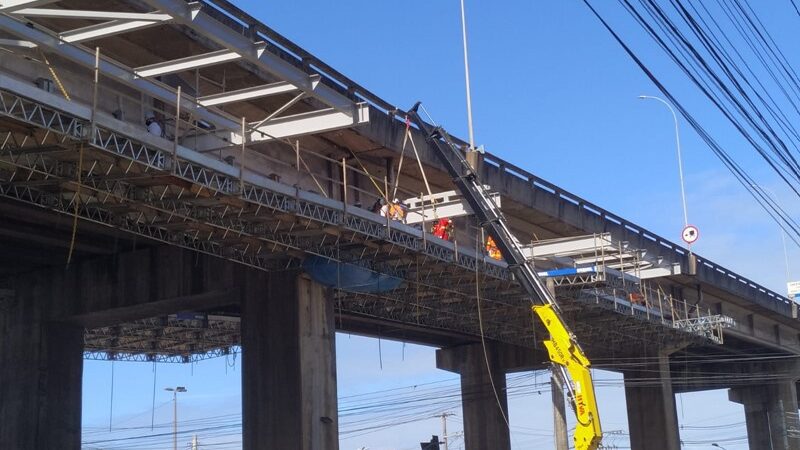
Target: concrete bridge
pixel 191 238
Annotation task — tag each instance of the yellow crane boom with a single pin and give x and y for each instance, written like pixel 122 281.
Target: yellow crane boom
pixel 569 357
pixel 564 351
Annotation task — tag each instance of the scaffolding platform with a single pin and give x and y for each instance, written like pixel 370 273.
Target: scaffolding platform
pixel 603 273
pixel 599 249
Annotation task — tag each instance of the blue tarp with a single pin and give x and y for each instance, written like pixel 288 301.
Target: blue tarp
pixel 349 277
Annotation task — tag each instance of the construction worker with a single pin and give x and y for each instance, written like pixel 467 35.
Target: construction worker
pixel 153 127
pixel 378 206
pixel 636 298
pixel 492 250
pixel 396 210
pixel 443 229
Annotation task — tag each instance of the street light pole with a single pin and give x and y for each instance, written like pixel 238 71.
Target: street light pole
pixel 718 446
pixel 678 148
pixel 175 391
pixel 466 78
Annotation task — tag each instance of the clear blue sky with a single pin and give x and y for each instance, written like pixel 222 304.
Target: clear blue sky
pixel 553 94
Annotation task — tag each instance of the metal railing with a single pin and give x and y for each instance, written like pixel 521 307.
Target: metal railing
pixel 654 305
pixel 629 227
pixel 226 12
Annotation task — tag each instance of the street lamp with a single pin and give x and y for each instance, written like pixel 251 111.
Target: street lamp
pixel 466 78
pixel 718 446
pixel 175 391
pixel 678 147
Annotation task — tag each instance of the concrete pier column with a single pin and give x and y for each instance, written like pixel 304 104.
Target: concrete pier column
pixel 41 368
pixel 652 418
pixel 484 425
pixel 288 364
pixel 770 411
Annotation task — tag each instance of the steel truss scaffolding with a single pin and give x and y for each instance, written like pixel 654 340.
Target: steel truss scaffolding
pixel 72 159
pixel 151 192
pixel 131 186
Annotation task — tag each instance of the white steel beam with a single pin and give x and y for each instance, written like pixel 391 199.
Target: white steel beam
pixel 91 15
pixel 9 6
pixel 280 128
pixel 203 24
pixel 16 43
pixel 309 123
pixel 188 63
pixel 106 29
pixel 245 94
pixel 449 204
pixel 85 58
pixel 574 246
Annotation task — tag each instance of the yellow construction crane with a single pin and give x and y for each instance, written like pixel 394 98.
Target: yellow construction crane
pixel 566 355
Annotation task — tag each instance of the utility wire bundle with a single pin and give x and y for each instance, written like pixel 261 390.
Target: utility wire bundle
pixel 725 50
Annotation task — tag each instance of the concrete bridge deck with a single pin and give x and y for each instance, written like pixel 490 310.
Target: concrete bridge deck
pixel 215 220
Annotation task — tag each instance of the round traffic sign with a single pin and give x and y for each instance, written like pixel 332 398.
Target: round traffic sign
pixel 690 234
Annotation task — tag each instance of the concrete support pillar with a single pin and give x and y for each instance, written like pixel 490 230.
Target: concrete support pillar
pixel 652 418
pixel 483 406
pixel 770 411
pixel 288 364
pixel 41 368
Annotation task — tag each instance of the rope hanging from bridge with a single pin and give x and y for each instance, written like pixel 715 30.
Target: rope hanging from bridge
pixel 77 202
pixel 385 195
pixel 408 137
pixel 421 169
pixel 55 75
pixel 479 237
pixel 402 157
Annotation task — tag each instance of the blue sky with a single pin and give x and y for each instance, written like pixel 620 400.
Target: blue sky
pixel 555 95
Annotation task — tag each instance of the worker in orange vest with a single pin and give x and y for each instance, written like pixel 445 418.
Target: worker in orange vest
pixel 395 210
pixel 492 250
pixel 443 229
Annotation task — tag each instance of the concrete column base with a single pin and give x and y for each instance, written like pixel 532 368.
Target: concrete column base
pixel 483 390
pixel 41 370
pixel 765 410
pixel 288 364
pixel 652 418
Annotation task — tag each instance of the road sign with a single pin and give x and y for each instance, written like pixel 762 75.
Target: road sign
pixel 690 234
pixel 793 289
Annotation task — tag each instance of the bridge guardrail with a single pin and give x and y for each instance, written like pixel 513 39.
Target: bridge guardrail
pixel 228 13
pixel 536 182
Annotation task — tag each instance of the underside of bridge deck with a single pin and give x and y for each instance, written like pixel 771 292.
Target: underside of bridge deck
pixel 163 202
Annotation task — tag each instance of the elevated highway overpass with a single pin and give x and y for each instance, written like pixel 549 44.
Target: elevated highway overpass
pixel 191 241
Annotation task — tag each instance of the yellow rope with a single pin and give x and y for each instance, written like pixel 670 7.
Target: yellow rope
pixel 384 195
pixel 480 326
pixel 55 76
pixel 77 205
pixel 422 171
pixel 400 165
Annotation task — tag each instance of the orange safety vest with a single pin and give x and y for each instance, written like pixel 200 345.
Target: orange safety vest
pixel 492 250
pixel 443 229
pixel 396 211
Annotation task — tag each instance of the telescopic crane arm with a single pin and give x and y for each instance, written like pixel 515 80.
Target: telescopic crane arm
pixel 562 346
